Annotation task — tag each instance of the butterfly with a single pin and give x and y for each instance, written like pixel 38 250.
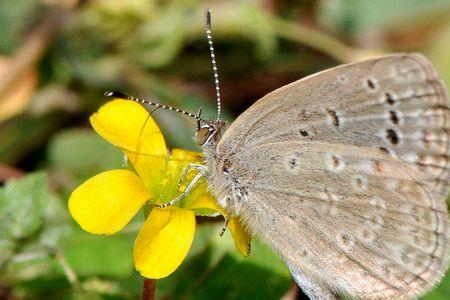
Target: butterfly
pixel 343 173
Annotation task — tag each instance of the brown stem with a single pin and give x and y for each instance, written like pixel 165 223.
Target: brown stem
pixel 148 289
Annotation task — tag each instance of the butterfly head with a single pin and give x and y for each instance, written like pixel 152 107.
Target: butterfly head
pixel 208 135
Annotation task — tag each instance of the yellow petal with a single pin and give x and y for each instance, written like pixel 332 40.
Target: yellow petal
pixel 186 156
pixel 107 202
pixel 240 236
pixel 128 125
pixel 205 205
pixel 164 241
pixel 199 199
pixel 177 162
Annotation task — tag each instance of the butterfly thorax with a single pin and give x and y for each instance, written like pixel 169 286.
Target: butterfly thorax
pixel 223 181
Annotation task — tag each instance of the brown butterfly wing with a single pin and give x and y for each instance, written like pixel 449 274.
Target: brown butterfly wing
pixel 345 174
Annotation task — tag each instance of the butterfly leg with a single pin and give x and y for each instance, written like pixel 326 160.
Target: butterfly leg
pixel 187 169
pixel 222 231
pixel 226 203
pixel 186 192
pixel 312 288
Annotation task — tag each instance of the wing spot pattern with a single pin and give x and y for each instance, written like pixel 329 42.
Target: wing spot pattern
pixel 345 241
pixel 292 164
pixel 361 184
pixel 392 136
pixel 394 117
pixel 335 163
pixel 375 222
pixel 378 167
pixel 335 120
pixel 389 98
pixel 385 150
pixel 371 84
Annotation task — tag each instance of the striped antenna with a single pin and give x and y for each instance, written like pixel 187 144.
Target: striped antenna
pixel 213 61
pixel 157 105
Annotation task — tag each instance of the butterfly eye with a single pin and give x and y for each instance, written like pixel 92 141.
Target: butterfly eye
pixel 202 136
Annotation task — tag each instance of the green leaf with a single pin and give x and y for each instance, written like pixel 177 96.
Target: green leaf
pixel 32 220
pixel 6 250
pixel 95 255
pixel 31 265
pixel 36 256
pixel 22 206
pixel 83 153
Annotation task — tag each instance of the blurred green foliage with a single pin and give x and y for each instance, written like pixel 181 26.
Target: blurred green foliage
pixel 158 49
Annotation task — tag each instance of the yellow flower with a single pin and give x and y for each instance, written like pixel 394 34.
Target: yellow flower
pixel 105 203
